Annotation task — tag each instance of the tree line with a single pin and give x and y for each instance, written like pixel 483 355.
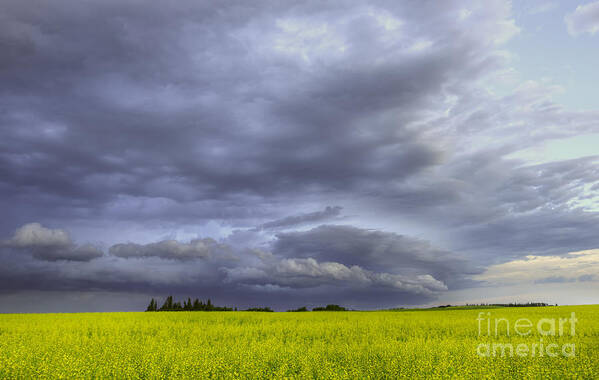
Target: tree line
pixel 188 305
pixel 197 305
pixel 513 304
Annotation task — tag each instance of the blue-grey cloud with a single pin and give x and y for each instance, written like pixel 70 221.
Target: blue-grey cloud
pixel 399 270
pixel 171 249
pixel 49 244
pixel 584 19
pixel 295 220
pixel 122 120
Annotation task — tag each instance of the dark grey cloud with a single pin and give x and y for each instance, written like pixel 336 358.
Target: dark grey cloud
pixel 223 104
pixel 508 211
pixel 375 250
pixel 209 119
pixel 295 220
pixel 206 266
pixel 49 244
pixel 309 273
pixel 554 279
pixel 171 249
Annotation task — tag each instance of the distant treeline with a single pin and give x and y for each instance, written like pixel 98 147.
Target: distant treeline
pixel 188 305
pixel 198 305
pixel 195 305
pixel 528 304
pixel 326 308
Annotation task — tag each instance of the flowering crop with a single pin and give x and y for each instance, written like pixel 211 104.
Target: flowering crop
pixel 414 344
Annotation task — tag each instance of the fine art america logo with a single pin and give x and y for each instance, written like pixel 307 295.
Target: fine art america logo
pixel 548 331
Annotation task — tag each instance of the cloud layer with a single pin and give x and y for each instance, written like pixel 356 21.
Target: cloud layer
pixel 170 249
pixel 582 266
pixel 49 244
pixel 295 220
pixel 584 19
pixel 391 266
pixel 353 152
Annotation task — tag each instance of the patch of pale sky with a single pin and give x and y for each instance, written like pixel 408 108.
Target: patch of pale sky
pixel 559 149
pixel 536 269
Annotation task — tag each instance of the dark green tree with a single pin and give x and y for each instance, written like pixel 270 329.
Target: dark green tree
pixel 330 308
pixel 171 305
pixel 266 309
pixel 303 308
pixel 168 304
pixel 152 306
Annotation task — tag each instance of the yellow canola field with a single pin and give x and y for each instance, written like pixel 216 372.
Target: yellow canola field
pixel 349 345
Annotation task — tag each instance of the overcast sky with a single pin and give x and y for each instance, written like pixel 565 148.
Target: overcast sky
pixel 371 154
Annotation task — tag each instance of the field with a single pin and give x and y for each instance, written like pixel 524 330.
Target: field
pixel 415 344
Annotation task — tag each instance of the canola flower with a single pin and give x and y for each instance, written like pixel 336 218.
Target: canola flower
pixel 335 345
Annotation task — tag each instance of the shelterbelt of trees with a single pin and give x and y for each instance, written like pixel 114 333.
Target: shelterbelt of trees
pixel 188 305
pixel 198 305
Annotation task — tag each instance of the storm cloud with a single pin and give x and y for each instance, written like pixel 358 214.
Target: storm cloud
pixel 266 152
pixel 207 266
pixel 49 244
pixel 192 103
pixel 374 250
pixel 170 249
pixel 295 220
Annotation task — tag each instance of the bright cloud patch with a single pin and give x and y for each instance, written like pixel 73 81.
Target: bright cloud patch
pixel 584 19
pixel 575 266
pixel 50 244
